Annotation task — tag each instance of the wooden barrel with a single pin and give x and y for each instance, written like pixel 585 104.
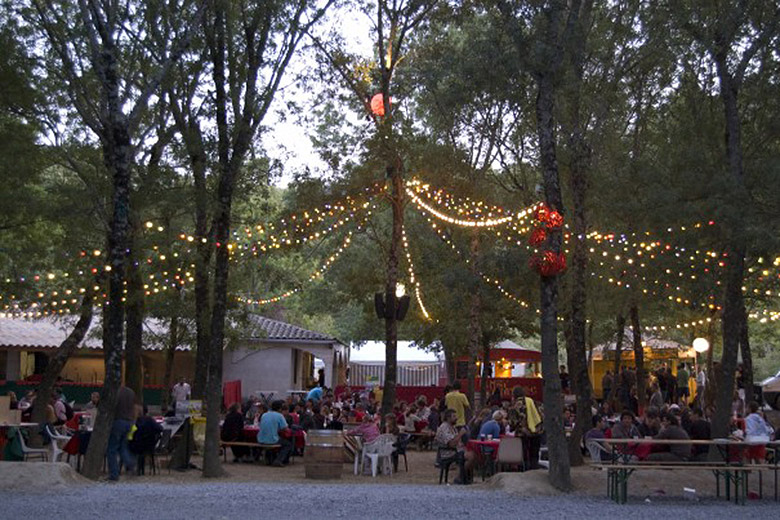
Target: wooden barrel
pixel 324 455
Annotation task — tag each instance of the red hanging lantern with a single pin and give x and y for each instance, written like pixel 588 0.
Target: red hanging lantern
pixel 548 263
pixel 553 219
pixel 538 236
pixel 541 212
pixel 378 105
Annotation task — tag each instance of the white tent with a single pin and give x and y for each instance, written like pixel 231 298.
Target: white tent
pixel 416 366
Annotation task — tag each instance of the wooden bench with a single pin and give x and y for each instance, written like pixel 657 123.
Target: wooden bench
pixel 254 445
pixel 622 467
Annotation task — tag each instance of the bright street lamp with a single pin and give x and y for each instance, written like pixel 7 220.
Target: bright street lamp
pixel 701 345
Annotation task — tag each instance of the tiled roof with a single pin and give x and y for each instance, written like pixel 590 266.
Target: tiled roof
pixel 50 332
pixel 265 328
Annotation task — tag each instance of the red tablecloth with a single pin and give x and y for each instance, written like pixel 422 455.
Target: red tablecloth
pixel 73 422
pixel 250 435
pixel 476 446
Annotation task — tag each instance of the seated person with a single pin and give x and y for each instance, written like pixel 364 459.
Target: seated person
pixel 336 423
pixel 699 430
pixel 492 427
pixel 411 419
pixel 651 422
pixel 625 429
pixel 451 448
pixel 318 418
pixel 273 430
pixel 232 430
pixel 756 430
pixel 368 430
pixel 598 434
pixel 94 400
pixel 671 430
pixel 145 437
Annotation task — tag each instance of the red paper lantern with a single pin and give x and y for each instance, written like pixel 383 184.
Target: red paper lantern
pixel 541 212
pixel 554 220
pixel 538 236
pixel 378 105
pixel 548 263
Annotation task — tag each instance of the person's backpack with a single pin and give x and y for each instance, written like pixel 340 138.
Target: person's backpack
pixel 68 410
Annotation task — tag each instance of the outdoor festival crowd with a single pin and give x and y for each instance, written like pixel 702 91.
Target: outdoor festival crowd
pixel 672 412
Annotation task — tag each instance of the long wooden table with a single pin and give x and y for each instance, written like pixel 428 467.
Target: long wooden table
pixel 729 464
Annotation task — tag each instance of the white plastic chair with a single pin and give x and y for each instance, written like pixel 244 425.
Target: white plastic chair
pixel 377 452
pixel 56 450
pixel 43 453
pixel 595 448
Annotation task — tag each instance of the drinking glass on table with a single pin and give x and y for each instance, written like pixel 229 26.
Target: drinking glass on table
pixel 490 436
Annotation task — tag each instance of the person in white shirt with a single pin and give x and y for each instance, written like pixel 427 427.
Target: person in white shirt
pixel 701 384
pixel 180 392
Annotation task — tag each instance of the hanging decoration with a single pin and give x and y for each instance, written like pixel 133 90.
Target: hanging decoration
pixel 548 263
pixel 378 105
pixel 537 237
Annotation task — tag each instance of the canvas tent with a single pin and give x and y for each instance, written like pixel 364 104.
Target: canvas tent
pixel 416 366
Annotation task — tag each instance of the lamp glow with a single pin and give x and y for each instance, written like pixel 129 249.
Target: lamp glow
pixel 701 345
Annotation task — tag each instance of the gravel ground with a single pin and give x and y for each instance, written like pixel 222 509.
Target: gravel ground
pixel 375 501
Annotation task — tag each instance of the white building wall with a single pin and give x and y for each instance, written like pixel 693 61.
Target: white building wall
pixel 265 370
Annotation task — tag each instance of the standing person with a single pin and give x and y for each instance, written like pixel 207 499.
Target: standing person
pixel 663 383
pixel 457 401
pixel 701 385
pixel 656 398
pixel 124 417
pixel 606 385
pixel 321 378
pixel 180 392
pixel 273 430
pixel 682 383
pixel 564 375
pixel 526 421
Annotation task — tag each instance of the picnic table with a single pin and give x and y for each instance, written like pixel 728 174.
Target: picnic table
pixel 730 464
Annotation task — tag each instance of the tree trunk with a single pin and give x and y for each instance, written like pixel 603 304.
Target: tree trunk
pixel 391 323
pixel 170 352
pixel 486 373
pixel 475 328
pixel 733 303
pixel 117 157
pixel 202 262
pixel 621 325
pixel 560 472
pixel 639 358
pixel 60 358
pixel 747 358
pixel 134 322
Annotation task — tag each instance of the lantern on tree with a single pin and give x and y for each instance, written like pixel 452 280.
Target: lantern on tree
pixel 553 219
pixel 378 105
pixel 548 263
pixel 538 236
pixel 541 212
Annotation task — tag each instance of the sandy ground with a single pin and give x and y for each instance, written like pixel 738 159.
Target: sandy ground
pixel 587 481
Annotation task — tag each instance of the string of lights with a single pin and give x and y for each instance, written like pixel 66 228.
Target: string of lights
pixel 318 273
pixel 412 278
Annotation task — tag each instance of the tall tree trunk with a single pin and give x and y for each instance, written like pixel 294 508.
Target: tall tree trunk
pixel 170 352
pixel 118 158
pixel 134 321
pixel 733 303
pixel 486 373
pixel 475 327
pixel 620 322
pixel 747 358
pixel 202 262
pixel 391 323
pixel 560 472
pixel 639 357
pixel 60 358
